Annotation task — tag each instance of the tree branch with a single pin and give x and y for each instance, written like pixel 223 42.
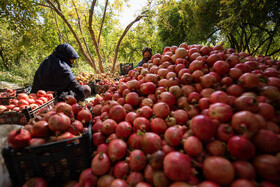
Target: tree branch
pixel 138 18
pixel 59 33
pixel 274 52
pixel 92 63
pixel 261 43
pixel 103 19
pixel 213 33
pixel 58 5
pixel 93 36
pixel 40 4
pixel 71 29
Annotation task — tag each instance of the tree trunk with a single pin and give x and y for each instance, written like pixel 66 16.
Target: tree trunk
pixel 71 29
pixel 120 40
pixel 3 59
pixel 85 43
pixel 102 22
pixel 93 36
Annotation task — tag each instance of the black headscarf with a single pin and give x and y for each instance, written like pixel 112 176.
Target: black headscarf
pixel 54 73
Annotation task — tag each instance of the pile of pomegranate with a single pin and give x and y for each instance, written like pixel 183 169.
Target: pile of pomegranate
pixel 192 116
pixel 8 93
pixel 65 121
pixel 23 100
pixel 195 115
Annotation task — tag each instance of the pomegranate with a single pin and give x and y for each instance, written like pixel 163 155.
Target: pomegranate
pixel 117 113
pixel 132 98
pixel 34 182
pixel 216 148
pixel 193 146
pixel 218 170
pixel 134 178
pixel 84 116
pixel 98 138
pixel 141 123
pixel 124 129
pixel 76 128
pixel 241 148
pixel 59 122
pixel 109 126
pixel 40 129
pixel 147 88
pixel 173 135
pixel 119 183
pixel 244 169
pixel 177 166
pixel 160 179
pixel 203 127
pixel 130 117
pixel 221 112
pixel 87 178
pixel 181 116
pixel 221 67
pixel 105 180
pixel 135 140
pixel 37 141
pixel 121 169
pixel 151 142
pixel 145 112
pixel 65 108
pixel 161 110
pixel 137 160
pixel 267 141
pixel 224 132
pixel 158 125
pixel 245 122
pixel 100 164
pixel 117 149
pixel 267 167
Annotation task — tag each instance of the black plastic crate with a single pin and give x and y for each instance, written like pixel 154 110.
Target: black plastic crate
pixel 13 117
pixel 56 162
pixel 5 100
pixel 25 89
pixel 22 118
pixel 125 68
pixel 31 113
pixel 92 87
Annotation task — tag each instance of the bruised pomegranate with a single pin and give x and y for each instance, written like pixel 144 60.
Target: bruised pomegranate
pixel 137 160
